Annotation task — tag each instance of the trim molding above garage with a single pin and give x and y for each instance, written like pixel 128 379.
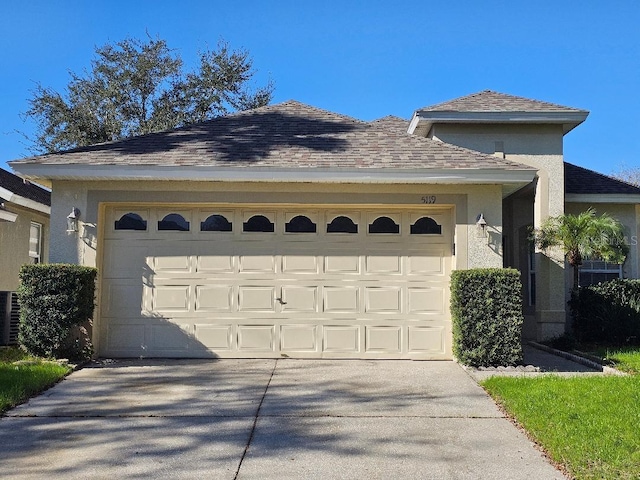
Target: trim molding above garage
pixel 271 174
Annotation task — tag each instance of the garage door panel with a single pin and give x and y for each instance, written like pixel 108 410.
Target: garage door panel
pixel 122 297
pixel 259 338
pixel 338 299
pixel 302 299
pixel 383 263
pixel 299 338
pixel 171 298
pixel 257 263
pixel 306 295
pixel 215 337
pixel 427 339
pixel 431 263
pixel 215 264
pixel 383 339
pixel 383 299
pixel 427 300
pixel 129 262
pixel 214 298
pixel 300 264
pixel 164 264
pixel 256 299
pixel 343 264
pixel 169 336
pixel 341 339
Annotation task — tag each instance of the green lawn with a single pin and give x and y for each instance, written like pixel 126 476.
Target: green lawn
pixel 590 425
pixel 19 382
pixel 626 359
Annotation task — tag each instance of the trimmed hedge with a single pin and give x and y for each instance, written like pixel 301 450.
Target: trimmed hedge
pixel 54 299
pixel 486 311
pixel 608 312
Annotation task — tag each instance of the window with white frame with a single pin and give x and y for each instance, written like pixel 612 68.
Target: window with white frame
pixel 596 271
pixel 35 242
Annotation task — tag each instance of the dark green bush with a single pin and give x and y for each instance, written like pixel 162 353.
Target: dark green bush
pixel 608 312
pixel 486 311
pixel 54 300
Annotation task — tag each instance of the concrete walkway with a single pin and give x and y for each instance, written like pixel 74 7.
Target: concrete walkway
pixel 266 419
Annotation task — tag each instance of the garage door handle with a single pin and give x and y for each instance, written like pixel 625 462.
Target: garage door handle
pixel 281 302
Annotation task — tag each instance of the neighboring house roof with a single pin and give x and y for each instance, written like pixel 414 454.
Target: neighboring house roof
pixel 494 107
pixel 490 101
pixel 287 136
pixel 579 180
pixel 12 187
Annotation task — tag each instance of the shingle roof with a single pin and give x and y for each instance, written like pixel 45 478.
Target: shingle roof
pixel 392 124
pixel 286 135
pixel 490 101
pixel 22 188
pixel 584 181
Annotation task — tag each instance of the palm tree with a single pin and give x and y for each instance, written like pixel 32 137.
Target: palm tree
pixel 583 236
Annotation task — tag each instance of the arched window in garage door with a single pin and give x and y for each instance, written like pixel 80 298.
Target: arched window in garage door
pixel 426 226
pixel 384 225
pixel 216 223
pixel 258 223
pixel 300 224
pixel 342 224
pixel 131 221
pixel 175 222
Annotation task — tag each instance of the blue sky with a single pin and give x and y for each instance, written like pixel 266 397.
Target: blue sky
pixel 366 59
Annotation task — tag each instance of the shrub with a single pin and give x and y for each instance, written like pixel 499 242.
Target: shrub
pixel 486 310
pixel 608 312
pixel 54 300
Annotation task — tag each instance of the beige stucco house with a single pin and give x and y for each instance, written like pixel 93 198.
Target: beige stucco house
pixel 294 231
pixel 24 230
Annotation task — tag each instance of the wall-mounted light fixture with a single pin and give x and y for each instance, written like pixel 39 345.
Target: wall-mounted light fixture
pixel 72 220
pixel 481 225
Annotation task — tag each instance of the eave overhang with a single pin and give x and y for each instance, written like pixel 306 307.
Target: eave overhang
pixel 50 173
pixel 11 197
pixel 423 120
pixel 620 198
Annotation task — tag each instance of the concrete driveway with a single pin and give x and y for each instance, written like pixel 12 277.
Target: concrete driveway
pixel 262 419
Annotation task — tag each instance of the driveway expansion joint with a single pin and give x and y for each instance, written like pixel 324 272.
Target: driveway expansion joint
pixel 255 420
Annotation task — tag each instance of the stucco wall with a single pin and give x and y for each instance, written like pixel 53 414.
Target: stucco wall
pixel 14 244
pixel 539 146
pixel 465 201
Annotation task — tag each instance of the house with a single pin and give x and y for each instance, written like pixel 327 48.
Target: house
pixel 24 229
pixel 292 231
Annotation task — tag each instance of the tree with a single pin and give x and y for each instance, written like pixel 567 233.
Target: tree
pixel 136 87
pixel 629 174
pixel 583 236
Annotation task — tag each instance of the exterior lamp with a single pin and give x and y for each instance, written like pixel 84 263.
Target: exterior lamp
pixel 481 224
pixel 72 220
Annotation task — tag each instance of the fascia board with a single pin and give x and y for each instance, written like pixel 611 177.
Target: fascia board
pixel 269 174
pixel 602 198
pixel 569 120
pixel 8 216
pixel 11 197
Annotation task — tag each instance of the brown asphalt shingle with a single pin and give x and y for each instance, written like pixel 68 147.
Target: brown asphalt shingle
pixel 286 135
pixel 490 101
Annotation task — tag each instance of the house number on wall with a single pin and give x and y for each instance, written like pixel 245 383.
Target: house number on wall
pixel 429 199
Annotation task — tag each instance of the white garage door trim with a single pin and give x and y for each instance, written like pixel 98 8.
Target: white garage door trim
pixel 194 293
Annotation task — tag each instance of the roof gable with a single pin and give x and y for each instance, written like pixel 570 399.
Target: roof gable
pixel 579 180
pixel 490 101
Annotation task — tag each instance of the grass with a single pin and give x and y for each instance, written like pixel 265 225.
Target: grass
pixel 626 359
pixel 589 425
pixel 19 382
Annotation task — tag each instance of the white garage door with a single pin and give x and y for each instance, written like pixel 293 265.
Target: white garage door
pixel 271 282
